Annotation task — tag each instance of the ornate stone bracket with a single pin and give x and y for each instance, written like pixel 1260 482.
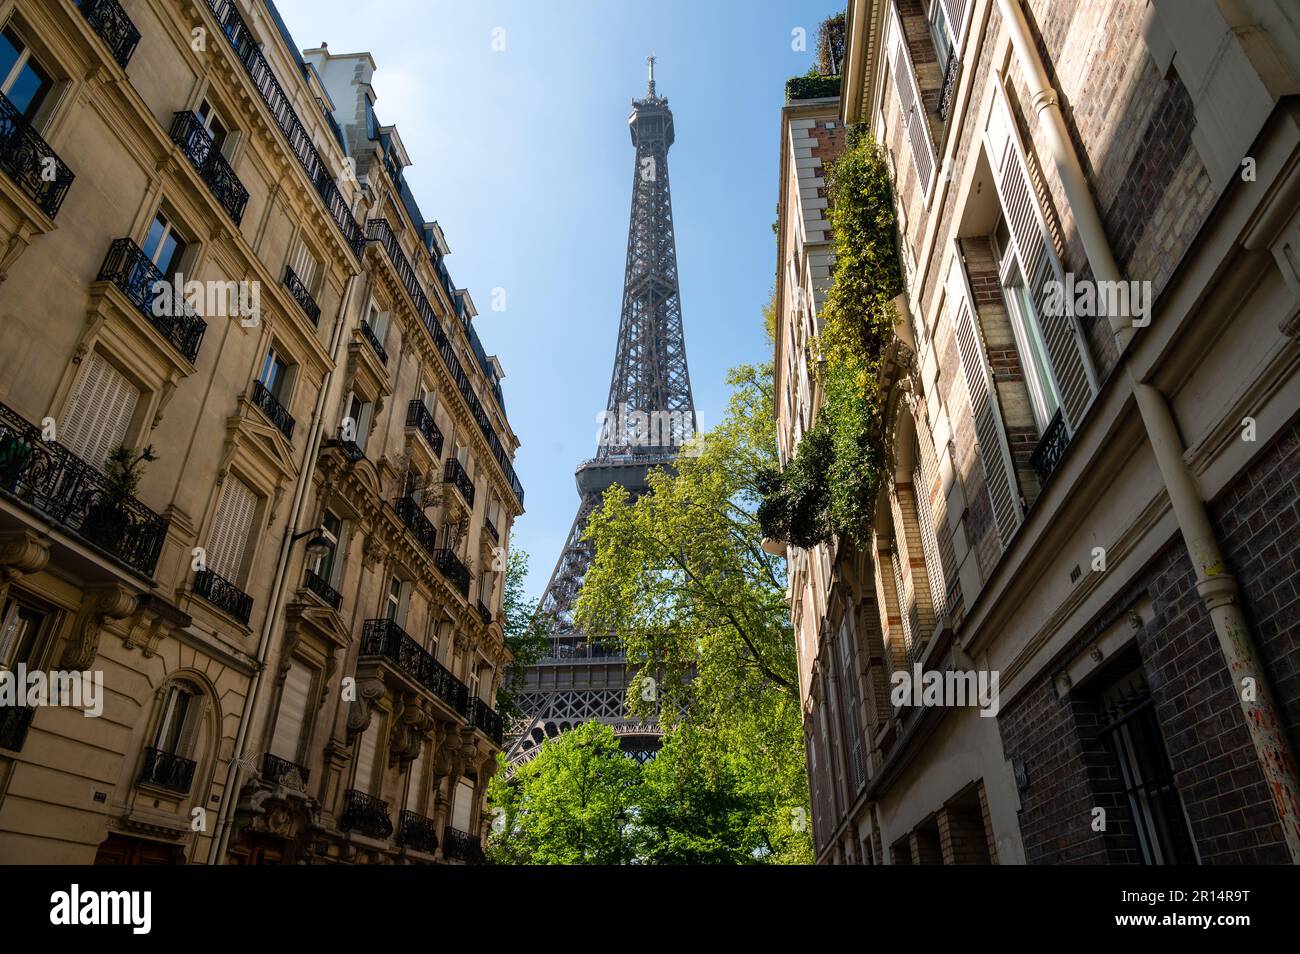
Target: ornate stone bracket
pixel 360 711
pixel 21 552
pixel 413 724
pixel 98 606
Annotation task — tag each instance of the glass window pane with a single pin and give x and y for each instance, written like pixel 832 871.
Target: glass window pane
pixel 10 46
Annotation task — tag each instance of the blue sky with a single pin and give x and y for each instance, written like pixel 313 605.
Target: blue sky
pixel 523 156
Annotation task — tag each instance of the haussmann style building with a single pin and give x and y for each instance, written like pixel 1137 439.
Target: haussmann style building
pixel 293 609
pixel 1099 505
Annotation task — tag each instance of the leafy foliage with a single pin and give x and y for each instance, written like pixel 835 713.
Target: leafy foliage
pixel 830 45
pixel 124 468
pixel 525 631
pixel 811 87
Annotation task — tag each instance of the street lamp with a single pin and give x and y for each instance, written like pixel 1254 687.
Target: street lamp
pixel 318 545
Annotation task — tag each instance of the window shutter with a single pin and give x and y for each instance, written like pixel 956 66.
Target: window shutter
pixel 305 266
pixel 934 570
pixel 293 712
pixel 994 452
pixel 414 790
pixel 955 11
pixel 463 808
pixel 99 412
pixel 230 528
pixel 366 747
pixel 1075 377
pixel 909 97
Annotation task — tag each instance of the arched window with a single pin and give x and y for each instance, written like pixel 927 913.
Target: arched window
pixel 170 761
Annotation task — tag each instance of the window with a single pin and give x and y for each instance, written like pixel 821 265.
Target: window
pixel 364 779
pixel 462 811
pixel 939 32
pixel 395 603
pixel 359 413
pixel 378 322
pixel 1043 393
pixel 275 376
pixel 435 644
pixel 214 126
pixel 289 722
pixel 328 566
pixel 416 786
pixel 164 246
pixel 182 710
pixel 474 681
pixel 23 80
pixel 99 412
pixel 306 266
pixel 231 528
pixel 21 627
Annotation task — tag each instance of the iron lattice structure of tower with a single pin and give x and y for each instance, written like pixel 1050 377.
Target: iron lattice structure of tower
pixel 650 413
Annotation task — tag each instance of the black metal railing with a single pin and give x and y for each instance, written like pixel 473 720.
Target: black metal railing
pixel 198 146
pixel 416 831
pixel 484 613
pixel 454 473
pixel 30 162
pixel 223 594
pixel 283 772
pixel 51 479
pixel 463 846
pixel 419 417
pixel 14 723
pixel 270 405
pixel 491 528
pixel 365 814
pixel 109 20
pixel 248 51
pixel 167 770
pixel 317 584
pixel 482 717
pixel 414 519
pixel 153 295
pixel 449 565
pixel 1051 448
pixel 949 85
pixel 300 294
pixel 385 639
pixel 369 334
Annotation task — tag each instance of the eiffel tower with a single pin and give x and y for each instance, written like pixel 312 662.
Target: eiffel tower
pixel 649 415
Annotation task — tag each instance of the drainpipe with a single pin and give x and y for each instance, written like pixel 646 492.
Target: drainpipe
pixel 279 591
pixel 1216 585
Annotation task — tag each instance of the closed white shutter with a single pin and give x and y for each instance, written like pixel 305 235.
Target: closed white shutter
pixel 1075 376
pixel 293 712
pixel 462 809
pixel 369 742
pixel 913 109
pixel 994 452
pixel 230 528
pixel 305 266
pixel 955 11
pixel 415 789
pixel 100 411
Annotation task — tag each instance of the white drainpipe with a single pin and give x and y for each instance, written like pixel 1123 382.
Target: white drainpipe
pixel 1215 584
pixel 230 795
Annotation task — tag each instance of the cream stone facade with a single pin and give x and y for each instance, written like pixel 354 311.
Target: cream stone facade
pixel 1096 504
pixel 295 614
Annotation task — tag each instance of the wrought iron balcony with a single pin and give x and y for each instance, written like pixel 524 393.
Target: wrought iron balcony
pixel 223 594
pixel 482 717
pixel 416 831
pixel 463 846
pixel 369 334
pixel 167 770
pixel 300 294
pixel 14 723
pixel 283 772
pixel 269 405
pixel 491 529
pixel 454 473
pixel 457 573
pixel 49 478
pixel 197 145
pixel 28 159
pixel 317 584
pixel 1051 448
pixel 419 417
pixel 484 613
pixel 151 292
pixel 109 20
pixel 413 517
pixel 949 85
pixel 383 638
pixel 365 814
pixel 247 48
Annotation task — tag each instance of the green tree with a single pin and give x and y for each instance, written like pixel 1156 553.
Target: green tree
pixel 573 804
pixel 525 631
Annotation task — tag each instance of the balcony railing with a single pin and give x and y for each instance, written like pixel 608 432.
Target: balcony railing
pixel 151 292
pixel 14 723
pixel 300 294
pixel 419 417
pixel 416 831
pixel 30 162
pixel 51 479
pixel 167 770
pixel 491 528
pixel 316 583
pixel 454 473
pixel 949 85
pixel 413 517
pixel 223 594
pixel 481 716
pixel 457 573
pixel 369 334
pixel 269 405
pixel 464 846
pixel 484 613
pixel 1051 448
pixel 283 772
pixel 366 814
pixel 248 51
pixel 197 145
pixel 385 639
pixel 109 20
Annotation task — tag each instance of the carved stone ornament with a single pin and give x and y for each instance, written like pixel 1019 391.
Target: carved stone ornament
pixel 98 605
pixel 359 712
pixel 413 723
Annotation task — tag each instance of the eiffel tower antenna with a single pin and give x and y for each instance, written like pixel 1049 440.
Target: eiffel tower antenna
pixel 649 416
